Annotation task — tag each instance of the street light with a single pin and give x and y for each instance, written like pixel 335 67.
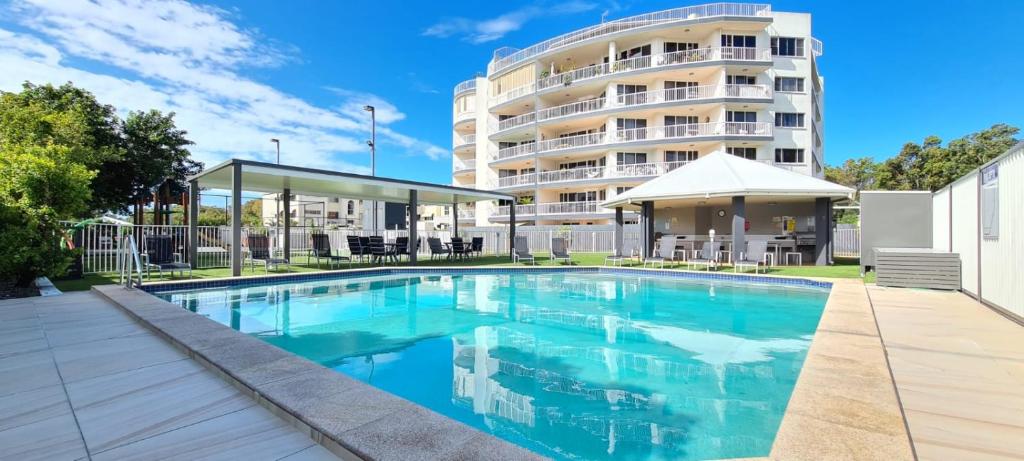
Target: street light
pixel 373 156
pixel 278 143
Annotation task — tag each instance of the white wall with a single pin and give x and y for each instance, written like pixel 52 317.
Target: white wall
pixel 940 220
pixel 965 229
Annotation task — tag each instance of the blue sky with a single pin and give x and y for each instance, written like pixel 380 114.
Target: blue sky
pixel 239 73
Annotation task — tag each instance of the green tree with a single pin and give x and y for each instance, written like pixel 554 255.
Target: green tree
pixel 252 213
pixel 967 153
pixel 857 173
pixel 35 178
pixel 155 151
pixel 212 216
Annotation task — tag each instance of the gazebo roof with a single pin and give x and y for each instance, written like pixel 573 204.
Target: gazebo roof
pixel 724 175
pixel 272 178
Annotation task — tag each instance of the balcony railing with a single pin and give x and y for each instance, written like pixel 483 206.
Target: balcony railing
pixel 508 57
pixel 521 150
pixel 656 60
pixel 513 93
pixel 691 130
pixel 571 174
pixel 463 116
pixel 569 142
pixel 467 214
pixel 464 140
pixel 517 180
pixel 568 208
pixel 520 120
pixel 468 85
pixel 521 210
pixel 564 110
pixel 642 169
pixel 612 171
pixel 695 93
pixel 463 165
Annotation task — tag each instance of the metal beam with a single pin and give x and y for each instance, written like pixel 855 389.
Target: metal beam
pixel 288 224
pixel 193 224
pixel 511 229
pixel 236 220
pixel 822 229
pixel 648 227
pixel 618 230
pixel 414 218
pixel 455 219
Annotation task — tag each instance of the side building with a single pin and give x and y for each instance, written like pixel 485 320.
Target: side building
pixel 575 120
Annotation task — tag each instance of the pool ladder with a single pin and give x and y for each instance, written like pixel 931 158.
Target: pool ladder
pixel 127 258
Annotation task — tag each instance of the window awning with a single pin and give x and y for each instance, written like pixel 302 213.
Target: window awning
pixel 271 178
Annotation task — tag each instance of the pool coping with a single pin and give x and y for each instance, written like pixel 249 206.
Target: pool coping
pixel 357 421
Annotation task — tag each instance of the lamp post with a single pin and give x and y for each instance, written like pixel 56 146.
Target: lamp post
pixel 373 156
pixel 277 201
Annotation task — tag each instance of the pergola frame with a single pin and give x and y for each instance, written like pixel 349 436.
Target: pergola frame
pixel 237 175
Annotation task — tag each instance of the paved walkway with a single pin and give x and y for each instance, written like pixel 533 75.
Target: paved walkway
pixel 79 379
pixel 959 370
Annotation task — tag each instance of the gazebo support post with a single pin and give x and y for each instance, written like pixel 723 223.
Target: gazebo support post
pixel 455 219
pixel 618 230
pixel 647 209
pixel 414 219
pixel 193 224
pixel 288 225
pixel 822 230
pixel 236 219
pixel 511 229
pixel 739 229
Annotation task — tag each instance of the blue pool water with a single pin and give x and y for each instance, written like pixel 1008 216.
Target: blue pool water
pixel 569 365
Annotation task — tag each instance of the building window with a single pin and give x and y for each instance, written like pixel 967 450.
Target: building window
pixel 588 196
pixel 335 199
pixel 630 158
pixel 622 189
pixel 631 94
pixel 789 120
pixel 749 153
pixel 787 46
pixel 332 215
pixel 742 41
pixel 351 207
pixel 676 157
pixel 740 116
pixel 740 80
pixel 581 164
pixel 672 47
pixel 676 91
pixel 633 52
pixel 789 84
pixel 789 156
pixel 631 128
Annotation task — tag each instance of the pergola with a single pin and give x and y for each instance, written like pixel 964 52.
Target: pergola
pixel 237 175
pixel 721 179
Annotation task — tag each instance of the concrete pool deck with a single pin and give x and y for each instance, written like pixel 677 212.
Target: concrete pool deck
pixel 80 379
pixel 845 405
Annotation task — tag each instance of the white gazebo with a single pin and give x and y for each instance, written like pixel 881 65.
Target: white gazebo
pixel 237 175
pixel 723 181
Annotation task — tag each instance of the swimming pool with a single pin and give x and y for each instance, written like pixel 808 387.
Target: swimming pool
pixel 571 365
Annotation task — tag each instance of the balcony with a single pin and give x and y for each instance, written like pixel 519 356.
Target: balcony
pixel 659 133
pixel 565 110
pixel 521 210
pixel 467 214
pixel 506 58
pixel 463 166
pixel 637 170
pixel 571 174
pixel 559 208
pixel 572 142
pixel 465 140
pixel 464 117
pixel 466 86
pixel 513 94
pixel 711 54
pixel 521 150
pixel 518 121
pixel 528 179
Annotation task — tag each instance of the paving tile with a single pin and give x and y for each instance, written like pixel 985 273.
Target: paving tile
pixel 26 339
pixel 253 433
pixel 108 356
pixel 485 446
pixel 32 406
pixel 313 453
pixel 416 433
pixel 27 371
pixel 125 407
pixel 21 311
pixel 48 439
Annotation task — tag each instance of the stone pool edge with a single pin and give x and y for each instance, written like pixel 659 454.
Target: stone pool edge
pixel 353 420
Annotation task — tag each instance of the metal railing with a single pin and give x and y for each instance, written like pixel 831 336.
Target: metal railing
pixel 691 130
pixel 467 214
pixel 463 116
pixel 516 151
pixel 643 169
pixel 516 121
pixel 517 180
pixel 847 243
pixel 568 208
pixel 695 93
pixel 128 257
pixel 571 174
pixel 507 57
pixel 464 140
pixel 514 93
pixel 521 210
pixel 468 85
pixel 569 142
pixel 463 165
pixel 573 108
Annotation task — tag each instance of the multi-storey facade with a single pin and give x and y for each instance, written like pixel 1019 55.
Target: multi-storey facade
pixel 307 210
pixel 570 122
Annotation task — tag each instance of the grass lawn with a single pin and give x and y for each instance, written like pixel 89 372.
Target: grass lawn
pixel 843 268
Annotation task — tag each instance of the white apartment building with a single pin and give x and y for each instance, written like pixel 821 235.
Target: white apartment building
pixel 308 210
pixel 577 119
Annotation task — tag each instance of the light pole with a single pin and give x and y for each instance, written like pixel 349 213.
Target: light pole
pixel 277 201
pixel 373 156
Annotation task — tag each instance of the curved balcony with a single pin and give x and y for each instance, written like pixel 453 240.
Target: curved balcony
pixel 463 141
pixel 505 58
pixel 571 174
pixel 612 172
pixel 463 117
pixel 574 108
pixel 463 166
pixel 677 58
pixel 465 87
pixel 467 214
pixel 513 94
pixel 572 142
pixel 522 150
pixel 693 130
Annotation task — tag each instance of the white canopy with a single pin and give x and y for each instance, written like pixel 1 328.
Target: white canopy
pixel 724 175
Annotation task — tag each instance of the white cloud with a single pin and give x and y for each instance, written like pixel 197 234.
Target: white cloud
pixel 485 30
pixel 176 56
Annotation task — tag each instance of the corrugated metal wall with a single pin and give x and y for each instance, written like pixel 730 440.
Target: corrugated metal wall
pixel 998 263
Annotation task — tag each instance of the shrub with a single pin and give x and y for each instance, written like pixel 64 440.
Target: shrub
pixel 30 245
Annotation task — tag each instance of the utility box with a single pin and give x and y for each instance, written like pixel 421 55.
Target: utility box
pixel 893 219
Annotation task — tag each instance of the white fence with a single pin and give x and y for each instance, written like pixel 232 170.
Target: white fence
pixel 987 237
